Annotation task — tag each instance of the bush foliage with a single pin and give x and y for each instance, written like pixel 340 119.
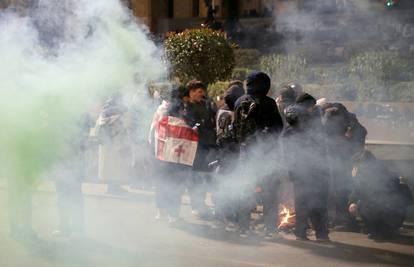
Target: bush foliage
pixel 373 73
pixel 368 76
pixel 201 54
pixel 247 58
pixel 284 69
pixel 217 89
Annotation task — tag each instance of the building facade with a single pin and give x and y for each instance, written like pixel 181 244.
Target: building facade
pixel 171 15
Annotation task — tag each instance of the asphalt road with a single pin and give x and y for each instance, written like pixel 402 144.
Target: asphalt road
pixel 123 232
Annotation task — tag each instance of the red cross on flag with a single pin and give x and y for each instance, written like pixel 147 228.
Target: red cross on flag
pixel 176 141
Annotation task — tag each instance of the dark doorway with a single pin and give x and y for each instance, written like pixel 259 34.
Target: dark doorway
pixel 231 9
pixel 196 8
pixel 170 8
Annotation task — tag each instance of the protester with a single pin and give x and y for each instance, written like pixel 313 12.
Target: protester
pixel 225 195
pixel 346 136
pixel 257 127
pixel 305 152
pixel 201 115
pixel 378 196
pixel 287 97
pixel 173 174
pixel 115 153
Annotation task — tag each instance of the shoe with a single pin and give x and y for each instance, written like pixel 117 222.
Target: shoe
pixel 269 234
pixel 347 228
pixel 230 226
pixel 195 212
pixel 218 225
pixel 302 238
pixel 172 220
pixel 244 233
pixel 160 216
pixel 323 239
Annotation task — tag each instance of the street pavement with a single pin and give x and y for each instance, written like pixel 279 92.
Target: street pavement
pixel 122 231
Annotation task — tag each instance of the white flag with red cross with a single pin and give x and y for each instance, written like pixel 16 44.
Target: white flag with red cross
pixel 176 141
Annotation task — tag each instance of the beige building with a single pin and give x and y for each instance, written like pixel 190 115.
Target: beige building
pixel 169 15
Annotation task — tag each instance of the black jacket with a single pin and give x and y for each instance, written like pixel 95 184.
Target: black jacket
pixel 304 143
pixel 267 115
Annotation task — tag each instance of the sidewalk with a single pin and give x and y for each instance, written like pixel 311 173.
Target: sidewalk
pixel 101 189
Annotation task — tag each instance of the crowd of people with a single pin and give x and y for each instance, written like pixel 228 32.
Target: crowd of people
pixel 245 153
pixel 255 144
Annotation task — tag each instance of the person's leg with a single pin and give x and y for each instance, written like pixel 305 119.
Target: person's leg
pixel 174 196
pixel 270 204
pixel 20 210
pixel 319 220
pixel 245 206
pixel 198 192
pixel 301 210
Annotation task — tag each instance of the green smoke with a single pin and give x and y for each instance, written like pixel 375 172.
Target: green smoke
pixel 44 90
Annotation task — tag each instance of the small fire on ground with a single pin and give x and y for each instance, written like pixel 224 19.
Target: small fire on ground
pixel 287 217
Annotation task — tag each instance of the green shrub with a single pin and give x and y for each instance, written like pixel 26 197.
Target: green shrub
pixel 217 89
pixel 202 54
pixel 247 58
pixel 372 74
pixel 284 69
pixel 240 73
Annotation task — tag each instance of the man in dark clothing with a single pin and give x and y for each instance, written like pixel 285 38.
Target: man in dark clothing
pixel 306 155
pixel 265 128
pixel 346 136
pixel 225 197
pixel 225 117
pixel 378 196
pixel 287 97
pixel 68 182
pixel 201 114
pixel 267 117
pixel 171 183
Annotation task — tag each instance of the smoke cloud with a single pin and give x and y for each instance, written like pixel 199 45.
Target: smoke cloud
pixel 57 61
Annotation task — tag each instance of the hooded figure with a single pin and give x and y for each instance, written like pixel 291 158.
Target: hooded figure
pixel 378 195
pixel 267 116
pixel 232 94
pixel 257 126
pixel 305 154
pixel 225 206
pixel 225 117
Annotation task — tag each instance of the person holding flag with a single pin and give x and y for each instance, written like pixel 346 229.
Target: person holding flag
pixel 175 149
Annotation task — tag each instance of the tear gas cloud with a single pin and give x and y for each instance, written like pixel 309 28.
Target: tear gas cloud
pixel 331 34
pixel 57 62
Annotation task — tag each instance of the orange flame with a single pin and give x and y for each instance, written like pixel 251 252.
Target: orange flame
pixel 287 217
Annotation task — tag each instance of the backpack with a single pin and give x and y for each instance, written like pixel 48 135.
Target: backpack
pixel 224 127
pixel 244 119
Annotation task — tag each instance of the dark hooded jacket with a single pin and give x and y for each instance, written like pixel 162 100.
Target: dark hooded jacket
pixel 343 129
pixel 305 145
pixel 267 115
pixel 225 117
pixel 377 191
pixel 231 96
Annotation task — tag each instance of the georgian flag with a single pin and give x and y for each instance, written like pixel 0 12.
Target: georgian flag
pixel 176 141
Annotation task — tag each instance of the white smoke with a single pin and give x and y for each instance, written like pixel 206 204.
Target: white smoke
pixel 58 60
